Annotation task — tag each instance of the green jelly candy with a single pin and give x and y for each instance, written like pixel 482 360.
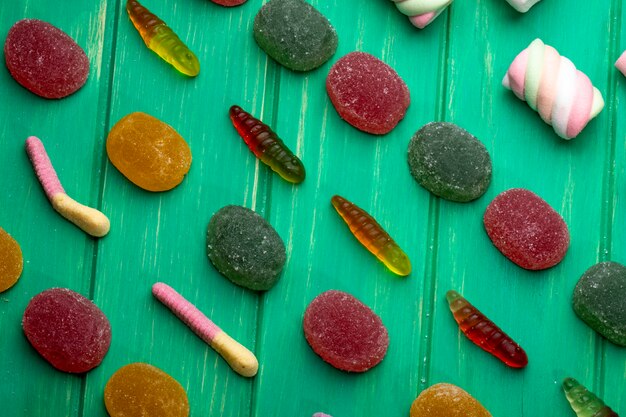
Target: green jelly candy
pixel 449 162
pixel 599 300
pixel 295 34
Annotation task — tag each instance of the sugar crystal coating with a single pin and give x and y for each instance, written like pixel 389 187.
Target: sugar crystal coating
pixel 67 329
pixel 139 389
pixel 526 229
pixel 11 261
pixel 447 400
pixel 295 34
pixel 345 332
pixel 599 300
pixel 449 162
pixel 367 93
pixel 245 248
pixel 44 59
pixel 150 153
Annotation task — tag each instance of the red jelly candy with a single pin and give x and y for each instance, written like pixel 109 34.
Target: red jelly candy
pixel 367 93
pixel 526 229
pixel 67 329
pixel 44 59
pixel 345 332
pixel 229 3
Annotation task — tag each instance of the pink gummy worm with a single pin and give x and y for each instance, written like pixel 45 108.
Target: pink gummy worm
pixel 43 167
pixel 187 312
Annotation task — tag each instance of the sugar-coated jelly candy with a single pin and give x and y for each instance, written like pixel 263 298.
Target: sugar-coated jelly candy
pixel 245 248
pixel 267 146
pixel 140 390
pixel 148 152
pixel 229 3
pixel 11 261
pixel 599 300
pixel 44 59
pixel 67 329
pixel 345 332
pixel 447 400
pixel 449 162
pixel 367 93
pixel 583 402
pixel 526 229
pixel 372 236
pixel 295 34
pixel 484 333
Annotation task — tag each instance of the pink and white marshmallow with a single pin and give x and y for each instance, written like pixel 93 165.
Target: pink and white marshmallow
pixel 620 64
pixel 523 5
pixel 421 12
pixel 552 86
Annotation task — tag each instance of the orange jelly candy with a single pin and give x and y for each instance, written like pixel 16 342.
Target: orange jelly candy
pixel 148 152
pixel 11 262
pixel 140 390
pixel 447 400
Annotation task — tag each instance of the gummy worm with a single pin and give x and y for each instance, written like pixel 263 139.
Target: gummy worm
pixel 585 403
pixel 421 12
pixel 484 333
pixel 88 219
pixel 236 355
pixel 371 235
pixel 551 85
pixel 267 146
pixel 162 40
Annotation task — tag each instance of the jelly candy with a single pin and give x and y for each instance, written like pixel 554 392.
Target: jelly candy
pixel 551 84
pixel 229 3
pixel 238 357
pixel 88 219
pixel 447 400
pixel 139 389
pixel 267 146
pixel 162 40
pixel 295 34
pixel 523 5
pixel 372 236
pixel 245 248
pixel 421 12
pixel 449 162
pixel 583 402
pixel 526 229
pixel 44 59
pixel 484 333
pixel 150 153
pixel 11 261
pixel 367 93
pixel 67 329
pixel 345 332
pixel 599 300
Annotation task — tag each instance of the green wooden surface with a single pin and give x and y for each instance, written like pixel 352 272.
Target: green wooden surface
pixel 453 69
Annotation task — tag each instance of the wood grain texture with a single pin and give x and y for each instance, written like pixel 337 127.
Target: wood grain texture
pixel 453 69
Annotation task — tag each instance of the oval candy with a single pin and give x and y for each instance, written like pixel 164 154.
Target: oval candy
pixel 11 261
pixel 447 400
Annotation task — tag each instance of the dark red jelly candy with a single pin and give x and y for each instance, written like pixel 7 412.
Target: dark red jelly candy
pixel 67 329
pixel 44 59
pixel 345 332
pixel 526 229
pixel 367 93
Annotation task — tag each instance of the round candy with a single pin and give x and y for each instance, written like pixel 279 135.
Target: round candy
pixel 449 162
pixel 67 329
pixel 245 248
pixel 295 34
pixel 44 59
pixel 526 229
pixel 139 390
pixel 599 300
pixel 148 152
pixel 11 262
pixel 345 332
pixel 447 400
pixel 367 93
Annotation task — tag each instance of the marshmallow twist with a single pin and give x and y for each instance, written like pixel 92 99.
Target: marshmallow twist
pixel 552 86
pixel 421 12
pixel 620 64
pixel 523 5
pixel 88 219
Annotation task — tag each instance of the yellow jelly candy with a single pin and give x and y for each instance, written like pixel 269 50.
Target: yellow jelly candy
pixel 148 152
pixel 139 390
pixel 447 400
pixel 11 262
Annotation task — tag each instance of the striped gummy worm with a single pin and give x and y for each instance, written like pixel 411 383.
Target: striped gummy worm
pixel 583 402
pixel 421 12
